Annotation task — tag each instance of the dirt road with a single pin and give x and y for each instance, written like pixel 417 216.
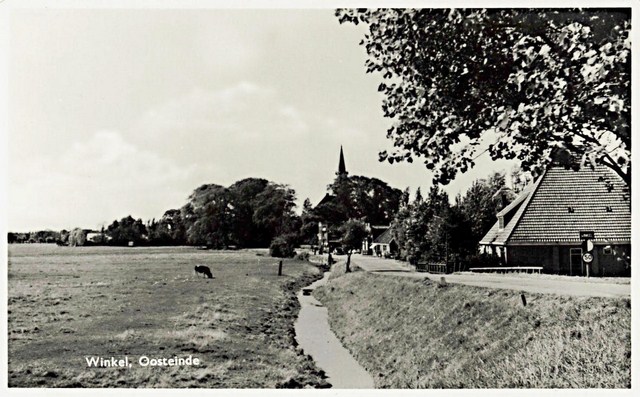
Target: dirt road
pixel 546 284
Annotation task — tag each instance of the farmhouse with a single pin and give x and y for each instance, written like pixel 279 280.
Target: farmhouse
pixel 374 231
pixel 385 244
pixel 542 226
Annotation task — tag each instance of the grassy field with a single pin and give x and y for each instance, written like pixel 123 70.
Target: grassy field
pixel 66 304
pixel 418 334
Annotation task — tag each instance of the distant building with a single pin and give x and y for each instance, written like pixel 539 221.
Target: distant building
pixel 385 244
pixel 96 237
pixel 370 242
pixel 542 226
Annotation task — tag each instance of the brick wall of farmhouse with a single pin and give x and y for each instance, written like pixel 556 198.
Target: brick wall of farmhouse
pixel 531 255
pixel 613 262
pixel 609 260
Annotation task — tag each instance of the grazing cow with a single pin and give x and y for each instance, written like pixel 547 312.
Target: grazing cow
pixel 204 270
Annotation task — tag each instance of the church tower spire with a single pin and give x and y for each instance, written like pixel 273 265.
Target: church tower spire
pixel 342 168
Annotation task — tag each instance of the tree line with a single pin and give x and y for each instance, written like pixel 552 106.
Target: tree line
pixel 257 213
pixel 431 229
pixel 252 212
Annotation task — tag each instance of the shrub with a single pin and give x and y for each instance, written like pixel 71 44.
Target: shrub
pixel 282 247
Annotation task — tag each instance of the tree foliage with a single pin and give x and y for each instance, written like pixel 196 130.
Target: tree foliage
pixel 360 197
pixel 77 237
pixel 514 82
pixel 249 213
pixel 432 230
pixel 127 230
pixel 352 232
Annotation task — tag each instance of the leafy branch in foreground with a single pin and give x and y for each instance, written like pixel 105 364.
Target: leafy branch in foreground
pixel 515 83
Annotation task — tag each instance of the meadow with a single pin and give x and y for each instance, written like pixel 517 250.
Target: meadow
pixel 67 304
pixel 410 333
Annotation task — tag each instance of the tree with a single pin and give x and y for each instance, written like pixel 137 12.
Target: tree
pixel 360 197
pixel 64 236
pixel 482 201
pixel 77 237
pixel 283 246
pixel 353 233
pixel 249 213
pixel 173 219
pixel 515 83
pixel 308 233
pixel 213 222
pixel 127 230
pixel 244 196
pixel 274 211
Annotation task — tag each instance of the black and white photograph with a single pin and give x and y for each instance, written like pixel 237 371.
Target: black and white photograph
pixel 243 197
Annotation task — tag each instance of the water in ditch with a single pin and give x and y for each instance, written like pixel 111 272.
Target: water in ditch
pixel 316 338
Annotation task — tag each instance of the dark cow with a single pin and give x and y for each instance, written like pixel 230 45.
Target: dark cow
pixel 204 270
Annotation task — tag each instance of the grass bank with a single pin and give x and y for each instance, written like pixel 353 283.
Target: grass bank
pixel 417 334
pixel 69 303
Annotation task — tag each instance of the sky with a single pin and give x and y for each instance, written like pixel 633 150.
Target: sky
pixel 126 112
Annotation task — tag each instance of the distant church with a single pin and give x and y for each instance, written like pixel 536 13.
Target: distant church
pixel 342 172
pixel 325 244
pixel 380 241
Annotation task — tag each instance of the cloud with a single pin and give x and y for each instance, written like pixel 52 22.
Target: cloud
pixel 202 123
pixel 97 180
pixel 247 129
pixel 204 136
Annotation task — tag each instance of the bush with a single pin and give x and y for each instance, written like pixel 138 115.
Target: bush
pixel 282 247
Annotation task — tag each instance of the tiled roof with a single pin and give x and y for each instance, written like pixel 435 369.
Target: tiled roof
pixel 385 238
pixel 511 213
pixel 376 231
pixel 546 216
pixel 543 215
pixel 327 198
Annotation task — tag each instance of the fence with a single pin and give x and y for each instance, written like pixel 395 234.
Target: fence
pixel 440 268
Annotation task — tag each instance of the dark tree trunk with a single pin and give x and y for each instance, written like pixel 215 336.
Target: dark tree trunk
pixel 348 270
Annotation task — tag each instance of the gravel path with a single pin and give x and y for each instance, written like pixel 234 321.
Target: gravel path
pixel 561 285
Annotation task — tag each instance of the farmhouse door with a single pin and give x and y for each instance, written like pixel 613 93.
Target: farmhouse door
pixel 576 267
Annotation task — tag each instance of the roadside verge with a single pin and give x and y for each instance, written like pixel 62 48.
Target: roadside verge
pixel 411 333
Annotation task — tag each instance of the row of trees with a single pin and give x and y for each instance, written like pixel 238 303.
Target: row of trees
pixel 254 212
pixel 431 229
pixel 40 236
pixel 249 213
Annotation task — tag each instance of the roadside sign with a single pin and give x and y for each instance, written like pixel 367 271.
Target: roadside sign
pixel 587 235
pixel 587 257
pixel 587 246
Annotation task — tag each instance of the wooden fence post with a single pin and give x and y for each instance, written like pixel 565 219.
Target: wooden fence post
pixel 280 269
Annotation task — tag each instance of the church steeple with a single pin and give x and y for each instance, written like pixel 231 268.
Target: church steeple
pixel 342 168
